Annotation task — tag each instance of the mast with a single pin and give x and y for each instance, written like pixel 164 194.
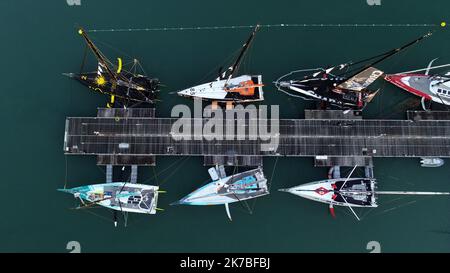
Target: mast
pixel 97 53
pixel 412 193
pixel 235 67
pixel 391 53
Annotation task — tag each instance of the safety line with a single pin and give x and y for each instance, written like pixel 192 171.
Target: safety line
pixel 262 26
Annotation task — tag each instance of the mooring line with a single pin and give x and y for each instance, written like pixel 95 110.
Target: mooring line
pixel 262 26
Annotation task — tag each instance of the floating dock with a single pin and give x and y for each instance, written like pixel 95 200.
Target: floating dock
pixel 135 137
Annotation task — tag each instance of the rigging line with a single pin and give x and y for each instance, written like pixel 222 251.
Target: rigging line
pixel 247 60
pixel 382 91
pixel 366 60
pixel 273 173
pixel 370 210
pixel 395 199
pixel 402 205
pixel 129 63
pixel 141 67
pixel 292 95
pixel 97 215
pixel 176 169
pixel 70 94
pixel 380 100
pixel 240 208
pixel 66 173
pixel 101 170
pixel 155 176
pixel 86 49
pixel 361 61
pixel 102 59
pixel 170 166
pixel 383 86
pixel 128 180
pixel 221 66
pixel 111 47
pixel 247 208
pixel 394 208
pixel 262 26
pixel 244 49
pixel 270 184
pixel 133 68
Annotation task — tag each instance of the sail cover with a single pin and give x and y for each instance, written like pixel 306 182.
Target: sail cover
pixel 361 80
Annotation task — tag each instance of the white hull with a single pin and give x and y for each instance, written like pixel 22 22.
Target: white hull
pixel 217 90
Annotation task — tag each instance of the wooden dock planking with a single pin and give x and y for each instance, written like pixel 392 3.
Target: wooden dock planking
pixel 144 135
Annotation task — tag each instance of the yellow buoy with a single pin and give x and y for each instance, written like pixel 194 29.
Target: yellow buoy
pixel 443 24
pixel 80 31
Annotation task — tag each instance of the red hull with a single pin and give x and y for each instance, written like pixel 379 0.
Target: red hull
pixel 396 79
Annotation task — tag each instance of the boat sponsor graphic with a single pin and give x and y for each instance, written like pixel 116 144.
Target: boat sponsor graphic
pixel 322 191
pixel 362 80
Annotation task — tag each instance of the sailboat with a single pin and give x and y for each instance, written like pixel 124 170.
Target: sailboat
pixel 344 86
pixel 118 196
pixel 126 86
pixel 347 192
pixel 224 190
pixel 228 87
pixel 428 87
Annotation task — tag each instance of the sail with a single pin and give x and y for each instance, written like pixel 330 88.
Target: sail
pixel 232 70
pixel 361 80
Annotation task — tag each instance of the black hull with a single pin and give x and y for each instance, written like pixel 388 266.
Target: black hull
pixel 129 89
pixel 340 101
pixel 324 90
pixel 365 188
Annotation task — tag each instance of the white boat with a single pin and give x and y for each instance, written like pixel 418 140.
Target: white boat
pixel 358 192
pixel 228 87
pixel 431 162
pixel 428 87
pixel 241 89
pixel 120 196
pixel 348 192
pixel 224 190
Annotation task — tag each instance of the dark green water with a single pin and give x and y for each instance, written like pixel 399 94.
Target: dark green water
pixel 39 42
